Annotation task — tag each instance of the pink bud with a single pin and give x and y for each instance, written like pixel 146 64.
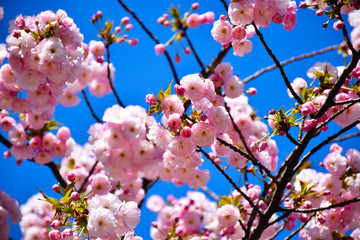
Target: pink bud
pixel 319 13
pixel 338 25
pixel 71 176
pixel 133 41
pixel 99 14
pixel 195 6
pixel 217 160
pixel 100 59
pixel 7 154
pixel 125 20
pixel 117 29
pixel 186 132
pixel 166 23
pixel 252 91
pixel 179 90
pixel 159 48
pixel 56 188
pixel 288 186
pixel 54 234
pixel 187 51
pixel 128 27
pixel 302 5
pixel 150 99
pixel 177 58
pixel 20 22
pixel 74 196
pixel 203 117
pixel 67 233
pixel 160 20
pixel 262 146
pixel 16 33
pixel 223 17
pixel 56 224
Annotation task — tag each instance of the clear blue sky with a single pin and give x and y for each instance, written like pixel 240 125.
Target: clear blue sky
pixel 139 72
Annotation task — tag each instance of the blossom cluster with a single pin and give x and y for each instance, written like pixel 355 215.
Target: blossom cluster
pixel 242 13
pixel 180 25
pixel 44 53
pixel 196 217
pixel 120 144
pixel 94 74
pixel 8 208
pixel 318 190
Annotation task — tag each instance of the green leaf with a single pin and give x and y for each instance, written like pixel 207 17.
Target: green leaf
pixel 237 200
pixel 168 90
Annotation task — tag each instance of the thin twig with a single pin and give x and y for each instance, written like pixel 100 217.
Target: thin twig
pixel 90 108
pixel 311 210
pixel 288 135
pixel 268 50
pixel 193 50
pixel 109 76
pixel 152 37
pixel 323 143
pixel 211 193
pixel 88 176
pixel 291 235
pixel 291 60
pixel 216 61
pixel 346 137
pixel 219 168
pixel 256 163
pixel 225 5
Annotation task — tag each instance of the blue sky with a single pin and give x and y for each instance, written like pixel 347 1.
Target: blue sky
pixel 139 72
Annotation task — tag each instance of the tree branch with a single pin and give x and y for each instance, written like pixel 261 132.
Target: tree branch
pixel 88 176
pixel 193 50
pixel 152 37
pixel 268 50
pixel 109 76
pixel 89 106
pixel 291 60
pixel 346 137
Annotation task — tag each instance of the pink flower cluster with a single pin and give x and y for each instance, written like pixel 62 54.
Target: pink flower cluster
pixel 340 183
pixel 121 146
pixel 36 218
pixel 187 216
pixel 28 144
pixel 8 208
pixel 195 217
pixel 242 13
pixel 354 21
pixel 93 74
pixel 44 54
pixel 110 218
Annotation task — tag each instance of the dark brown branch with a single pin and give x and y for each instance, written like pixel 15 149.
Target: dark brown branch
pixel 276 61
pixel 296 231
pixel 193 50
pixel 51 165
pixel 219 168
pixel 109 76
pixel 216 61
pixel 56 173
pixel 225 5
pixel 291 60
pixel 88 176
pixel 288 135
pixel 152 37
pixel 323 143
pixel 311 210
pixel 345 34
pixel 90 108
pixel 146 185
pixel 255 162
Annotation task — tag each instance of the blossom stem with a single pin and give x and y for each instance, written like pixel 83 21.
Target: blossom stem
pixel 109 76
pixel 90 108
pixel 268 50
pixel 291 60
pixel 193 50
pixel 152 37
